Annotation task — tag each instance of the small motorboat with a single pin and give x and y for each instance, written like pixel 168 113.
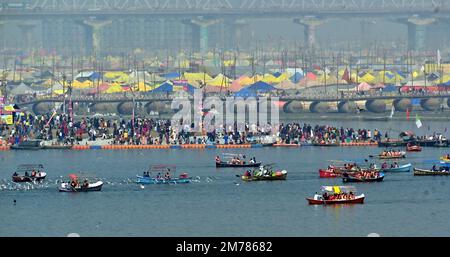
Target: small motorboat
pixel 75 186
pixel 443 169
pixel 165 175
pixel 378 177
pixel 337 195
pixel 265 172
pixel 32 173
pixel 401 168
pixel 413 148
pixel 236 161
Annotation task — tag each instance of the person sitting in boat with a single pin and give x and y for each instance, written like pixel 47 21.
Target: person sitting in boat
pixel 384 165
pixel 15 174
pixel 73 184
pixel 396 165
pixel 326 196
pixel 167 175
pixel 372 166
pixel 247 174
pixel 158 177
pixel 434 168
pixel 86 183
pixel 33 173
pixel 218 159
pixel 26 174
pixel 253 160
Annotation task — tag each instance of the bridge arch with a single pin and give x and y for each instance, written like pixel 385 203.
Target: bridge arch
pixel 158 106
pixel 103 108
pixel 42 108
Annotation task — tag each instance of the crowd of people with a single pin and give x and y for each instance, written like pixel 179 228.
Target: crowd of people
pixel 338 196
pixel 392 152
pixel 62 129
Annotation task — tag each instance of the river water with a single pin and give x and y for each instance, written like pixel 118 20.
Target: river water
pixel 218 203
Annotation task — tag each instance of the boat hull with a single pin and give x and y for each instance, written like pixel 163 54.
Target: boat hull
pixel 264 178
pixel 361 180
pixel 357 200
pixel 392 157
pixel 228 165
pixel 404 168
pixel 153 181
pixel 423 172
pixel 65 187
pixel 21 179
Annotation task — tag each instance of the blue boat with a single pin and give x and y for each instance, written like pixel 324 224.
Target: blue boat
pixel 402 168
pixel 165 175
pixel 153 181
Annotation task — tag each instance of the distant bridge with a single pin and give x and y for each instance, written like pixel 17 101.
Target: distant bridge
pixel 253 8
pixel 347 103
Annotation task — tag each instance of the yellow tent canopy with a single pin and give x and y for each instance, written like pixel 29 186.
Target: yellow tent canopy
pixel 114 88
pixel 219 80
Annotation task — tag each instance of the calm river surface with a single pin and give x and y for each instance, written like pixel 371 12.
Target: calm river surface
pixel 218 203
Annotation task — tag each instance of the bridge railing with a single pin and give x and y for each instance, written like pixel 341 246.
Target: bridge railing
pixel 239 5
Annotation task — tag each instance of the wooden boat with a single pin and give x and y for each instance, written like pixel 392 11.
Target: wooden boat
pixel 32 173
pixel 392 144
pixel 413 148
pixel 165 175
pixel 399 155
pixel 423 172
pixel 243 165
pixel 75 186
pixel 152 181
pixel 330 191
pixel 402 168
pixel 220 163
pixel 279 175
pixel 353 179
pixel 28 145
pixel 334 173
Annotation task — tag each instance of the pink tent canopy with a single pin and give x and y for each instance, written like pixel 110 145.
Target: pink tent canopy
pixel 364 87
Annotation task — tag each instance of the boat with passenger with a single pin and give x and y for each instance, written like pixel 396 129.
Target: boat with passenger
pixel 371 176
pixel 81 183
pixel 334 171
pixel 441 169
pixel 395 167
pixel 337 195
pixel 31 173
pixel 445 158
pixel 31 144
pixel 236 161
pixel 413 148
pixel 392 154
pixel 165 174
pixel 264 172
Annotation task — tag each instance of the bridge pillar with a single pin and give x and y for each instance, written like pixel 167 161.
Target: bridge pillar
pixel 27 31
pixel 319 107
pixel 293 107
pixel 431 104
pixel 376 106
pixel 235 33
pixel 310 23
pixel 93 30
pixel 417 32
pixel 201 34
pixel 347 107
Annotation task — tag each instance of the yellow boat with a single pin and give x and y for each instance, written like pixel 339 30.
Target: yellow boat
pixel 445 159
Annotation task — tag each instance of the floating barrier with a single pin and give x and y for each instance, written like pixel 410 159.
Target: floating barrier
pixel 234 146
pixel 4 148
pixel 360 144
pixel 195 146
pixel 286 145
pixel 81 147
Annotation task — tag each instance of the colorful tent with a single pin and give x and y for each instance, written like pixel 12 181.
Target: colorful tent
pixel 195 77
pixel 114 88
pixel 253 90
pixel 363 87
pixel 219 81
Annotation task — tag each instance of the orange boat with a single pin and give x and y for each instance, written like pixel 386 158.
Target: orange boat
pixel 337 195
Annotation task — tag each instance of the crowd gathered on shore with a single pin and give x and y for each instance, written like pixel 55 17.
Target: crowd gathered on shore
pixel 62 130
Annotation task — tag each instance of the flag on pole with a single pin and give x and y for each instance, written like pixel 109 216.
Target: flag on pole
pixel 418 122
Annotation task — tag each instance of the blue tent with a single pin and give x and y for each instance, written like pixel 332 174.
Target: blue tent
pixel 390 88
pixel 277 74
pixel 163 88
pixel 296 77
pixel 172 75
pixel 254 89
